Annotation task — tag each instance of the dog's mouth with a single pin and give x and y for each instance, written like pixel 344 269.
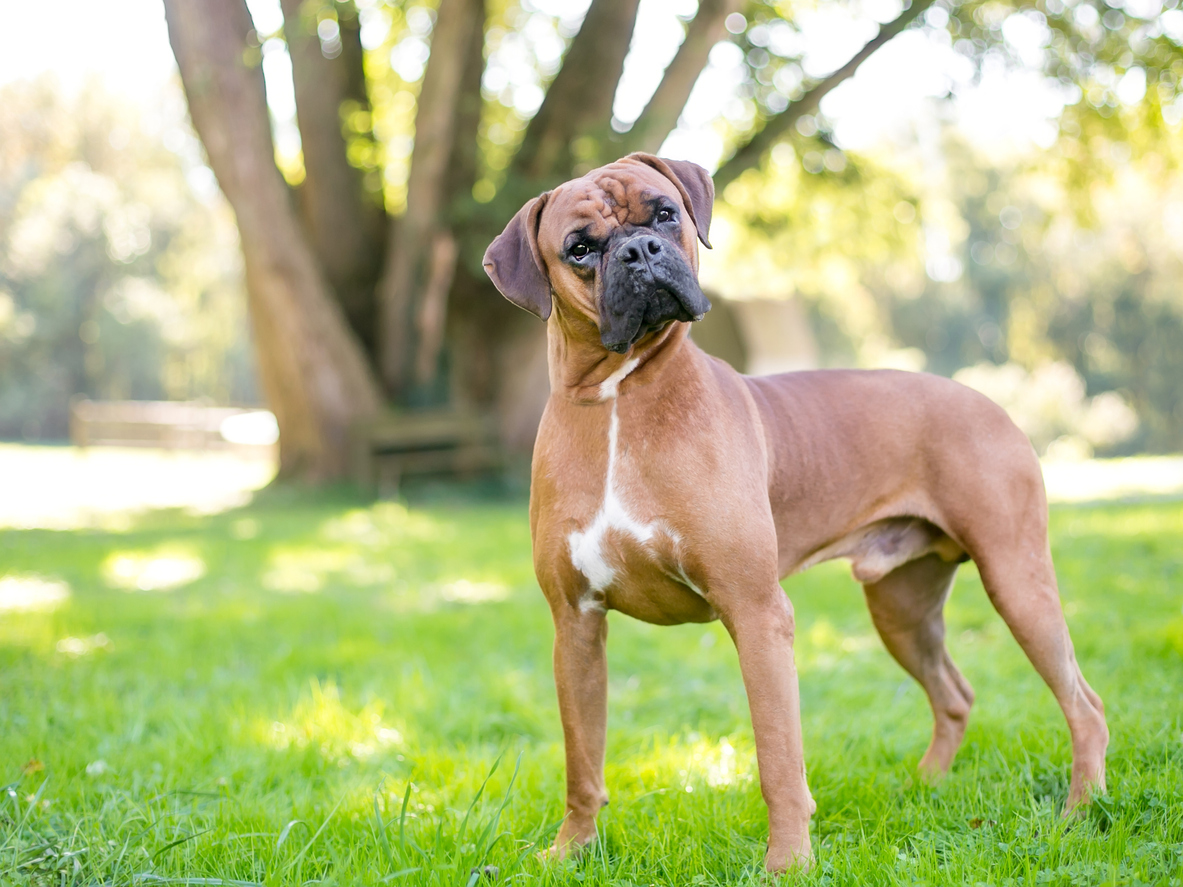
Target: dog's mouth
pixel 640 298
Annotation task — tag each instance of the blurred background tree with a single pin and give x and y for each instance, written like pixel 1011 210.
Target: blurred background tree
pixel 116 280
pixel 417 129
pixel 338 329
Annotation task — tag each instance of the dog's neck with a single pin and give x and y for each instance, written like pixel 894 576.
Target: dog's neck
pixel 583 371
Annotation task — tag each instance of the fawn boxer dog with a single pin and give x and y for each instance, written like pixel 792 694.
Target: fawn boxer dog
pixel 669 487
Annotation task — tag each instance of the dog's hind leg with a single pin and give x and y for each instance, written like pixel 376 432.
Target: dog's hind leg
pixel 1023 591
pixel 907 607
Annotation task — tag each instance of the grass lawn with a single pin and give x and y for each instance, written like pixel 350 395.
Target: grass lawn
pixel 315 689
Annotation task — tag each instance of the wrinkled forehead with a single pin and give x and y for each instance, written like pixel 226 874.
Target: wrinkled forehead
pixel 605 199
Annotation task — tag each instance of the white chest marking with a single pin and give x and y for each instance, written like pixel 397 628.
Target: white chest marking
pixel 610 385
pixel 587 548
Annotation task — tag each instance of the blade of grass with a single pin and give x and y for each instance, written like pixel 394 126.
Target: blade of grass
pixel 287 830
pixel 383 840
pixel 180 841
pixel 495 821
pixel 472 805
pixel 24 817
pixel 304 850
pixel 402 873
pixel 402 827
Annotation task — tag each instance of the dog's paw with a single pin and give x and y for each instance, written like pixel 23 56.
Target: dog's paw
pixel 779 860
pixel 1088 783
pixel 931 773
pixel 562 850
pixel 550 854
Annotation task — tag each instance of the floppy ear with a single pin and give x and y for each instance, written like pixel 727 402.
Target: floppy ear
pixel 513 264
pixel 694 182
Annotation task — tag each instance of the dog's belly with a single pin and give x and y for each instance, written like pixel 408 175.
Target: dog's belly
pixel 878 548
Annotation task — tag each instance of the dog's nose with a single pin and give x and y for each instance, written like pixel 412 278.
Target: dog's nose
pixel 635 252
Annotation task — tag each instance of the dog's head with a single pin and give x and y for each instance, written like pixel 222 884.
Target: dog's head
pixel 617 245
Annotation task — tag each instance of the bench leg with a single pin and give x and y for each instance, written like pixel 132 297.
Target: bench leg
pixel 389 475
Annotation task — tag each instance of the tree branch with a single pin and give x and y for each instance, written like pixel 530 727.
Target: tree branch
pixel 749 154
pixel 579 101
pixel 661 114
pixel 409 254
pixel 343 224
pixel 463 164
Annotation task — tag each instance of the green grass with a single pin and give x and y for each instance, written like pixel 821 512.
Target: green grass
pixel 325 702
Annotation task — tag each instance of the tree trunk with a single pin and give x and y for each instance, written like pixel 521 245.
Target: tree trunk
pixel 421 255
pixel 312 368
pixel 661 114
pixel 345 225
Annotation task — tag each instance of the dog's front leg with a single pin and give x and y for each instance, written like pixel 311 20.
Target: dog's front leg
pixel 581 678
pixel 763 635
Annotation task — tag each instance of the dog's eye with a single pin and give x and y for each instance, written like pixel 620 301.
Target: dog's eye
pixel 579 251
pixel 665 215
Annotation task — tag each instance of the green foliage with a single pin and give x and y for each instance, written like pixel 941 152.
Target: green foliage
pixel 976 261
pixel 1121 64
pixel 115 280
pixel 1042 284
pixel 330 699
pixel 839 230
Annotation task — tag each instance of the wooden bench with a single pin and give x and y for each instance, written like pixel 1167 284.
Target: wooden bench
pixel 392 445
pixel 143 423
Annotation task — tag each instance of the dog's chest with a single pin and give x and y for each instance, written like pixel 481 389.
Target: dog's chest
pixel 631 557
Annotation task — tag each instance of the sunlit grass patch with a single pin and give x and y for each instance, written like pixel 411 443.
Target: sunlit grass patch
pixel 465 591
pixel 83 646
pixel 320 721
pixel 296 569
pixel 386 523
pixel 31 593
pixel 163 569
pixel 108 487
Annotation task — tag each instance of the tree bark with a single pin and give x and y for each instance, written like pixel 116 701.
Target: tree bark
pixel 496 351
pixel 462 167
pixel 750 153
pixel 416 239
pixel 498 357
pixel 344 224
pixel 571 130
pixel 312 368
pixel 665 107
pixel 462 175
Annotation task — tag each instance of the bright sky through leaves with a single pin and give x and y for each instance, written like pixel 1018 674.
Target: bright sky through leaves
pixel 888 100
